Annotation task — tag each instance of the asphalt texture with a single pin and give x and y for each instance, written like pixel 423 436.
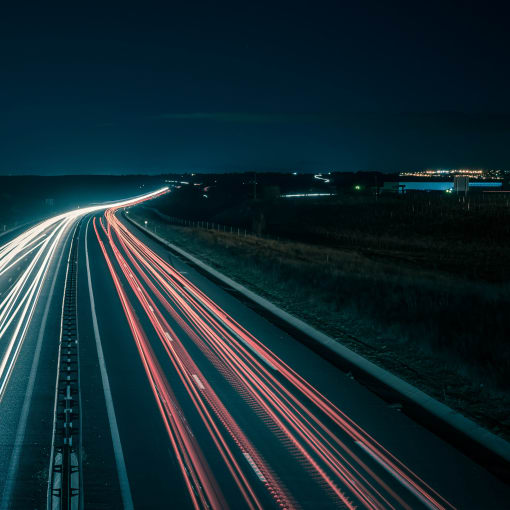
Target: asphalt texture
pixel 213 404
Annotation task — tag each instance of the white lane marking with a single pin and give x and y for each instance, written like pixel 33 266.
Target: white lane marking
pixel 198 381
pixel 398 477
pixel 117 446
pixel 22 424
pixel 255 468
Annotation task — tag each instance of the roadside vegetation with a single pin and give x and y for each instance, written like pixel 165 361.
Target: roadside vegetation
pixel 417 284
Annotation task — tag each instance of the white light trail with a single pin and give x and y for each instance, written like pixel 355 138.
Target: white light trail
pixel 297 195
pixel 320 178
pixel 37 244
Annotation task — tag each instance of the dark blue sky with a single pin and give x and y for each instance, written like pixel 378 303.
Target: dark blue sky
pixel 176 86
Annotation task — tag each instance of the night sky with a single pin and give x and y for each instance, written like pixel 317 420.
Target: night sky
pixel 185 86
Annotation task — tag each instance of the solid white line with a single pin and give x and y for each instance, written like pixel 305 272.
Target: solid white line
pixel 117 446
pixel 22 424
pixel 398 477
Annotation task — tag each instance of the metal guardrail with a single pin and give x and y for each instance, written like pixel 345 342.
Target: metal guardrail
pixel 65 465
pixel 210 225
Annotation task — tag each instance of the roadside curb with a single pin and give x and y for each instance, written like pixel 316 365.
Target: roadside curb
pixel 474 441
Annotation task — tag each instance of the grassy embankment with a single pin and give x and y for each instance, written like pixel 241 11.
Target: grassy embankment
pixel 419 285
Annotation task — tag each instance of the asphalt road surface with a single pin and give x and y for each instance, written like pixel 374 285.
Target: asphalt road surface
pixel 189 399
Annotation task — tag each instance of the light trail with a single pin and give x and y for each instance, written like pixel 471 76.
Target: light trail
pixel 305 195
pixel 33 252
pixel 202 487
pixel 318 435
pixel 320 178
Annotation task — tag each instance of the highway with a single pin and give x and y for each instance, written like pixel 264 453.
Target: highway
pixel 187 397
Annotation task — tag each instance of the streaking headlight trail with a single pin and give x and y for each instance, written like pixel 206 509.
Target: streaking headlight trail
pixel 33 252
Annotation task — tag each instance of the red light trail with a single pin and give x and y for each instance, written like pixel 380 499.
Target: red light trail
pixel 316 433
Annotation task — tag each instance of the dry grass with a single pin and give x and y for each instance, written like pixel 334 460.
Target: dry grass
pixel 444 333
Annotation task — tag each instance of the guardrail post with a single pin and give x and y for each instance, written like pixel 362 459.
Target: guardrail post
pixel 65 462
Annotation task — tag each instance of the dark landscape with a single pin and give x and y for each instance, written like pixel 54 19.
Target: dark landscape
pixel 255 256
pixel 422 275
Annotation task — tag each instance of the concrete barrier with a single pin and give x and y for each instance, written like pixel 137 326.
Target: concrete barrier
pixel 474 441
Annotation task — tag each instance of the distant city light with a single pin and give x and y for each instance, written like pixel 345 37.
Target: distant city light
pixel 464 172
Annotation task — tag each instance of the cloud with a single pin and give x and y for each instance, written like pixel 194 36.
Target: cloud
pixel 244 118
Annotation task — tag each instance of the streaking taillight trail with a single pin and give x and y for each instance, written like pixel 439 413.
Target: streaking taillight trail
pixel 342 459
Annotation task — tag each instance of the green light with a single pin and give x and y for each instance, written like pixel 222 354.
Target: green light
pixel 357 187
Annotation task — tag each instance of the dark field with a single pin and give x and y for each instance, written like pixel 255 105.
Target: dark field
pixel 422 279
pixel 465 236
